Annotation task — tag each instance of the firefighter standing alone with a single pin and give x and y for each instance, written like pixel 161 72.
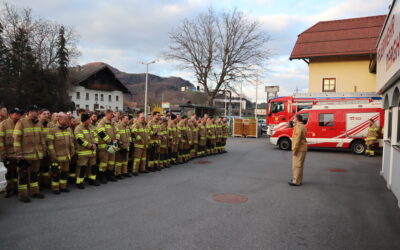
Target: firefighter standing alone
pixel 371 139
pixel 299 148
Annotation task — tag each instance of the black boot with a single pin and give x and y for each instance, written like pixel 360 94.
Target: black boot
pixel 103 177
pixel 127 175
pixel 38 196
pixel 81 185
pixel 56 192
pixel 119 177
pixel 110 176
pixel 71 179
pixel 94 182
pixel 65 190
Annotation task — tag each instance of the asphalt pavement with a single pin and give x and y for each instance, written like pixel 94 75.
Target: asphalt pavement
pixel 343 204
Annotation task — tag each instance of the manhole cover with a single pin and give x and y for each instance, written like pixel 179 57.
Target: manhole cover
pixel 337 170
pixel 202 162
pixel 230 198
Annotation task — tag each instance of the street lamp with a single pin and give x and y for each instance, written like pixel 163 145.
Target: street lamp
pixel 145 89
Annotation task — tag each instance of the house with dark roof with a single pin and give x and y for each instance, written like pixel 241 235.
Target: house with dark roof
pixel 341 54
pixel 95 87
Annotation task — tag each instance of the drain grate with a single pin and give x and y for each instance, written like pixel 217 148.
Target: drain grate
pixel 337 170
pixel 230 198
pixel 202 162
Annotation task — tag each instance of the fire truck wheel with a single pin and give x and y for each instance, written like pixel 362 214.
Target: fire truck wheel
pixel 358 147
pixel 284 143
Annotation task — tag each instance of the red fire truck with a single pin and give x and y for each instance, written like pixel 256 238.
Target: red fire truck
pixel 281 109
pixel 334 126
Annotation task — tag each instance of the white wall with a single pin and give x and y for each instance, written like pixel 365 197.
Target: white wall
pixel 391 151
pixel 105 103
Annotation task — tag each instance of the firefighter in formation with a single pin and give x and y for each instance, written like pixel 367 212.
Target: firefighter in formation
pixel 43 150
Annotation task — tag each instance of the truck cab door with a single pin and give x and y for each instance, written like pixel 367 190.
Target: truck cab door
pixel 326 130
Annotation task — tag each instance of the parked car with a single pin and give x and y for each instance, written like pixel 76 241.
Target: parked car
pixel 262 124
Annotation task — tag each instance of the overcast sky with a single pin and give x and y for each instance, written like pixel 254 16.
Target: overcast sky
pixel 124 32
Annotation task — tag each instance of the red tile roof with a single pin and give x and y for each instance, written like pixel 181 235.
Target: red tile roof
pixel 355 36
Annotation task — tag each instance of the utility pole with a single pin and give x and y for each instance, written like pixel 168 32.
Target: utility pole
pixel 255 110
pixel 240 98
pixel 145 88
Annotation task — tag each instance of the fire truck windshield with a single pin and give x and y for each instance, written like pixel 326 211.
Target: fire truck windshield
pixel 277 107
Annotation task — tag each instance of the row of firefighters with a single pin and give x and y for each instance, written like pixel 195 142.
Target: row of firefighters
pixel 39 152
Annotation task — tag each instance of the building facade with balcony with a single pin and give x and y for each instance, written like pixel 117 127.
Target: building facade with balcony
pixel 95 87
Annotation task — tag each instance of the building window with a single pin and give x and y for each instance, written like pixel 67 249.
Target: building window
pixel 87 107
pixel 102 97
pixel 117 98
pixel 87 96
pixel 78 95
pixel 329 85
pixel 326 120
pixel 109 98
pixel 77 106
pixel 96 97
pixel 116 108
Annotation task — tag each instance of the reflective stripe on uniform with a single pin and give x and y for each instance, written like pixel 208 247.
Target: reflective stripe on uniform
pixel 85 152
pixel 34 184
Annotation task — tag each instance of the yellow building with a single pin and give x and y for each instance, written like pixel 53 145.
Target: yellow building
pixel 341 54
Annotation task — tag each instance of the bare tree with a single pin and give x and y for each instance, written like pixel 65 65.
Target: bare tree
pixel 42 34
pixel 37 58
pixel 220 48
pixel 44 43
pixel 13 19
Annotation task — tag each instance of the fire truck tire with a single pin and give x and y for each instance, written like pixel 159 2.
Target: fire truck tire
pixel 285 143
pixel 358 147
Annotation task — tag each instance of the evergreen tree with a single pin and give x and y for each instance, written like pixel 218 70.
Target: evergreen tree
pixel 62 70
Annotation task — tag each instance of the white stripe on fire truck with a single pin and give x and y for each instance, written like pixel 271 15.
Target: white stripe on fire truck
pixel 357 128
pixel 366 123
